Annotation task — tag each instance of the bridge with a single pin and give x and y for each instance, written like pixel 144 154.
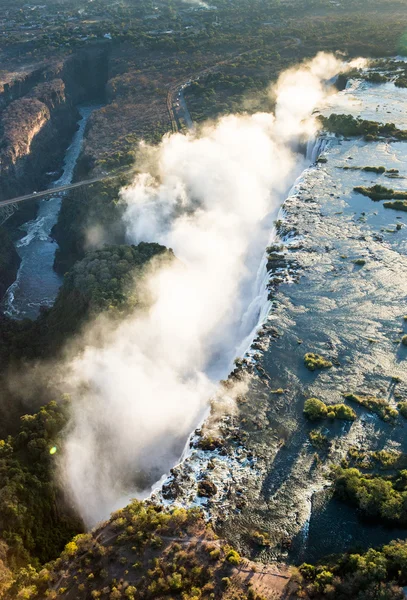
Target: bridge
pixel 8 207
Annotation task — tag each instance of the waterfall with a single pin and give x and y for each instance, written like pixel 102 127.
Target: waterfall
pixel 316 146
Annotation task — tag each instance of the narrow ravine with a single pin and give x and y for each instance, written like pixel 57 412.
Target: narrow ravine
pixel 37 283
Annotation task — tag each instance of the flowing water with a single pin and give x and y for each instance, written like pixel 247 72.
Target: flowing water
pixel 37 284
pixel 349 313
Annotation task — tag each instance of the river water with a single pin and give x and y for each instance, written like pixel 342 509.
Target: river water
pixel 349 313
pixel 37 284
pixel 276 482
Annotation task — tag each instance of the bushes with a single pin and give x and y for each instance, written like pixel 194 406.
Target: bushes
pixel 377 497
pixel 261 538
pixel 318 439
pixel 193 569
pixel 350 126
pixel 397 205
pixel 374 574
pixel 380 192
pixel 315 361
pixel 315 409
pixel 233 557
pixel 402 406
pixel 376 405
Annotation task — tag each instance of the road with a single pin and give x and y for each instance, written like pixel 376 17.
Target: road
pixel 183 110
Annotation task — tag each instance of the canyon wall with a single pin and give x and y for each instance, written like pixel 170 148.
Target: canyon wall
pixel 38 117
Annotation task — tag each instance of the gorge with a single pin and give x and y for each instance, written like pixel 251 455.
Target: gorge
pixel 252 467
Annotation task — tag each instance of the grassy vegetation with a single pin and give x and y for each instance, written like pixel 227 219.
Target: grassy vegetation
pixel 318 440
pixel 383 459
pixel 397 205
pixel 377 170
pixel 136 555
pixel 402 407
pixel 143 551
pixel 359 262
pixel 377 496
pixel 377 405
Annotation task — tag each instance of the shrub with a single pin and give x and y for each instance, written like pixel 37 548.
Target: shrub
pixel 383 498
pixel 233 557
pixel 402 406
pixel 376 405
pixel 396 205
pixel 307 571
pixel 315 409
pixel 318 439
pixel 315 361
pixel 343 412
pixel 261 538
pixel 380 192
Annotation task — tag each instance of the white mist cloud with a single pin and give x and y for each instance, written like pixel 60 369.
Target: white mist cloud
pixel 299 91
pixel 209 197
pixel 197 3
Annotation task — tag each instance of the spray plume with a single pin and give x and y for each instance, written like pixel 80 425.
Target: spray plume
pixel 209 197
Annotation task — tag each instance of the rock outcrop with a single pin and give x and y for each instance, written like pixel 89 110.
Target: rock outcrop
pixel 35 132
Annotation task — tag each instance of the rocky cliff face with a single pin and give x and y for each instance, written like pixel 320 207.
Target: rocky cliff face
pixel 14 85
pixel 38 117
pixel 35 132
pixel 9 261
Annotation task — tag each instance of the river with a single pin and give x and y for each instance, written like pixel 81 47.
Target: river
pixel 37 283
pixel 272 479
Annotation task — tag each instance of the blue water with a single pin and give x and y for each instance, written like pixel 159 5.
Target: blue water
pixel 37 284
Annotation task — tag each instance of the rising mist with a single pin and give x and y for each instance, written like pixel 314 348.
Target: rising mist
pixel 211 197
